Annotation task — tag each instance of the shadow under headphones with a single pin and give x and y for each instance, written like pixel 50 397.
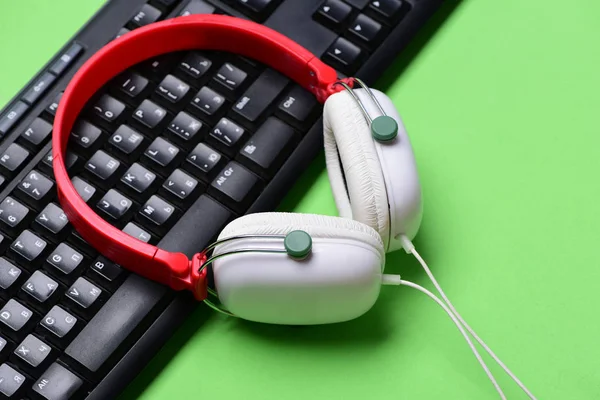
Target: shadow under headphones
pixel 278 268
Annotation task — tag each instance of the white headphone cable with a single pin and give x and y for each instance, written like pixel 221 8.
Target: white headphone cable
pixel 410 248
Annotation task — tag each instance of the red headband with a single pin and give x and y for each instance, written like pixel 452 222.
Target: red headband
pixel 206 32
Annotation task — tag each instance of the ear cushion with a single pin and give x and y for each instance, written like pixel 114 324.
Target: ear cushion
pixel 347 138
pixel 318 226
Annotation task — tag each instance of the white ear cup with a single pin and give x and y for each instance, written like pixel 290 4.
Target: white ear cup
pixel 339 281
pixel 353 166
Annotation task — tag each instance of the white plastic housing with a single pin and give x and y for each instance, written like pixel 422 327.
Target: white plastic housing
pixel 339 281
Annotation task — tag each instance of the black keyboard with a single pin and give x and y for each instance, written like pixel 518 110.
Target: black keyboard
pixel 170 151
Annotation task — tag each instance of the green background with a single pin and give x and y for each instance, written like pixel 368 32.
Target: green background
pixel 501 104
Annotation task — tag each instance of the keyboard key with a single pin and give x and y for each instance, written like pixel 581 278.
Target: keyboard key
pixel 12 116
pixel 70 160
pixel 57 383
pixel 195 64
pixel 366 29
pixel 14 315
pixel 123 311
pixel 33 351
pixel 121 32
pixel 343 54
pixel 173 89
pixel 106 268
pixel 36 133
pixel 85 135
pixel 51 109
pixel 40 286
pixel 126 139
pixel 9 273
pixel 208 101
pixel 67 58
pixel 261 93
pixel 114 204
pixel 58 321
pixel 38 89
pixel 158 67
pixel 65 259
pixel 196 7
pixel 227 132
pixel 12 214
pixel 203 160
pixel 83 292
pixel 108 108
pixel 135 231
pixel 11 380
pixel 52 221
pixel 13 158
pixel 185 126
pixel 138 178
pixel 102 166
pixel 298 106
pixel 158 212
pixel 85 190
pixel 161 152
pixel 267 144
pixel 234 185
pixel 149 114
pixel 258 9
pixel 29 246
pixel 230 76
pixel 180 184
pixel 333 13
pixel 146 15
pixel 35 189
pixel 132 84
pixel 388 10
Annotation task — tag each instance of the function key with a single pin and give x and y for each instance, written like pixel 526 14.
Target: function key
pixel 114 205
pixel 58 322
pixel 132 84
pixel 40 87
pixel 40 286
pixel 298 106
pixel 59 66
pixel 185 126
pixel 85 135
pixel 35 189
pixel 343 54
pixel 227 133
pixel 333 13
pixel 261 93
pixel 11 381
pixel 13 215
pixel 234 186
pixel 195 65
pixel 138 179
pixel 208 101
pixel 146 15
pixel 15 316
pixel 102 166
pixel 51 222
pixel 28 246
pixel 135 231
pixel 85 190
pixel 149 114
pixel 12 116
pixel 36 133
pixel 196 7
pixel 366 30
pixel 126 139
pixel 13 158
pixel 57 382
pixel 51 109
pixel 203 160
pixel 230 77
pixel 173 89
pixel 108 108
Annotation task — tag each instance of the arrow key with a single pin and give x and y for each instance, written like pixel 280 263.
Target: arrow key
pixel 365 29
pixel 333 13
pixel 387 10
pixel 343 55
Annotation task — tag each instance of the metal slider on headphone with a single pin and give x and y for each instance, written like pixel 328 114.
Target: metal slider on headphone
pixel 383 127
pixel 297 244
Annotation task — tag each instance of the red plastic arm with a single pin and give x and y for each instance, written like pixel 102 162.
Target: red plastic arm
pixel 205 32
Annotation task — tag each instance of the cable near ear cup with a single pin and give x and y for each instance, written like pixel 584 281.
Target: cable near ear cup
pixel 338 281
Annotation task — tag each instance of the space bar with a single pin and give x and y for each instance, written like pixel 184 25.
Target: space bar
pixel 115 321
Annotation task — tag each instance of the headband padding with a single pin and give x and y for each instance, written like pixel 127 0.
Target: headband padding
pixel 318 226
pixel 348 139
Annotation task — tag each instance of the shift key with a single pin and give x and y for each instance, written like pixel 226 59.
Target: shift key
pixel 265 89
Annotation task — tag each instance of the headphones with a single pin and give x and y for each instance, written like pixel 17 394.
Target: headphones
pixel 277 268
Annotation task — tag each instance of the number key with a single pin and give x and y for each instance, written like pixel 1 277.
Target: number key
pixel 13 215
pixel 85 136
pixel 35 189
pixel 108 108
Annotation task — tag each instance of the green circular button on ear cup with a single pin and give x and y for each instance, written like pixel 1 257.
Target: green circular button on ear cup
pixel 298 244
pixel 384 128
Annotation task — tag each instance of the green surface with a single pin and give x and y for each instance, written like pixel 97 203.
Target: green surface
pixel 501 105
